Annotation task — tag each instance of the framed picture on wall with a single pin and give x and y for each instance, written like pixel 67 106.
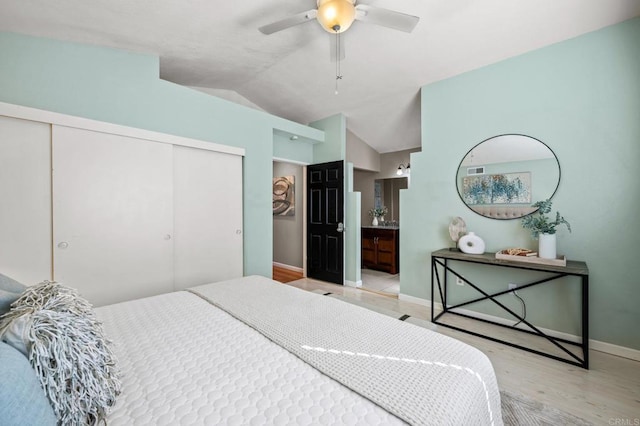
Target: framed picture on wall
pixel 284 196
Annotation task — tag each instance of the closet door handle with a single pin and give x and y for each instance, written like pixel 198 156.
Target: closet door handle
pixel 63 245
pixel 167 237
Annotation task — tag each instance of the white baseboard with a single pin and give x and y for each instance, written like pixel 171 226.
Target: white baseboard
pixel 504 321
pixel 419 301
pixel 354 284
pixel 289 267
pixel 616 350
pixel 596 345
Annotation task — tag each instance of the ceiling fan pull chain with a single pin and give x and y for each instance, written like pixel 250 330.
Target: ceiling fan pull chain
pixel 336 28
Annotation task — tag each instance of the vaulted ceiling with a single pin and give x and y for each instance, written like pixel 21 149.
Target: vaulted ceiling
pixel 215 45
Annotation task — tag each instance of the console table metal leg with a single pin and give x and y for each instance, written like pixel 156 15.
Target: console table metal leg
pixel 435 279
pixel 433 284
pixel 585 320
pixel 444 296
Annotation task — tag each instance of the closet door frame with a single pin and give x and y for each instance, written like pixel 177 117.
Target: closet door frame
pixel 49 117
pixel 52 118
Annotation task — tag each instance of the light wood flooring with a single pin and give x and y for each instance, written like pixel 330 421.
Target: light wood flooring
pixel 285 275
pixel 607 394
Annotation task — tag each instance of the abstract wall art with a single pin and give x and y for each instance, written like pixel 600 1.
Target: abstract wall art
pixel 284 196
pixel 504 188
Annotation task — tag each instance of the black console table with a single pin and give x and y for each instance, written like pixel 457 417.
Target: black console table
pixel 439 265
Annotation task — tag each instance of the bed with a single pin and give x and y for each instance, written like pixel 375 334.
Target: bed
pixel 253 351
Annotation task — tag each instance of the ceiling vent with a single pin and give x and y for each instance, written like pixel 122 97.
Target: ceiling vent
pixel 472 171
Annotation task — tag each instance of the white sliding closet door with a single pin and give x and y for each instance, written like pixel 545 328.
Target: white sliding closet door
pixel 207 216
pixel 25 200
pixel 112 215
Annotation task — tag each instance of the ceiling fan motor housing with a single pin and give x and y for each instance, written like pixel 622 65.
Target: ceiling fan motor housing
pixel 336 16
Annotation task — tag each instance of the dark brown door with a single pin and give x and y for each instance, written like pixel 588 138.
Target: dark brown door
pixel 325 216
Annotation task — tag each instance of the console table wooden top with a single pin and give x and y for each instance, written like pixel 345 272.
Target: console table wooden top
pixel 574 267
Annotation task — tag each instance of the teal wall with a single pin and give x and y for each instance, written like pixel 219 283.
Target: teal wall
pixel 300 150
pixel 582 98
pixel 335 148
pixel 353 254
pixel 124 88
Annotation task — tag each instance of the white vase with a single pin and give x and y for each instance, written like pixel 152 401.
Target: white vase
pixel 471 244
pixel 547 246
pixel 374 222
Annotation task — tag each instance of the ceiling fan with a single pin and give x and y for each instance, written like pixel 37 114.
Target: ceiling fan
pixel 336 16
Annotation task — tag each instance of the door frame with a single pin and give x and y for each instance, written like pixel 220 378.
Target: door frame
pixel 304 165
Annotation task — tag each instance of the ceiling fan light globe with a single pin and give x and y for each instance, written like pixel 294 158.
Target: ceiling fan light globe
pixel 334 14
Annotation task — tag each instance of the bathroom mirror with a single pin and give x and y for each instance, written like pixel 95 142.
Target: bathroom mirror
pixel 502 176
pixel 387 193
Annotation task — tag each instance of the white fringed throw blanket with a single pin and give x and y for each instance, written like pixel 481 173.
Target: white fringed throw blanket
pixel 58 332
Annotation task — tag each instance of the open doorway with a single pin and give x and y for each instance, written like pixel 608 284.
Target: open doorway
pixel 380 185
pixel 288 221
pixel 383 275
pixel 381 239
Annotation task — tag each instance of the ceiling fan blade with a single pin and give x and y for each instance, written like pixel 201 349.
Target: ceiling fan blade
pixel 336 47
pixel 289 22
pixel 386 18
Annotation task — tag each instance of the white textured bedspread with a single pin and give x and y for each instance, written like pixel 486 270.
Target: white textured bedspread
pixel 420 376
pixel 186 362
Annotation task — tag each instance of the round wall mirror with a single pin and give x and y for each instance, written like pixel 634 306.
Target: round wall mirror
pixel 502 176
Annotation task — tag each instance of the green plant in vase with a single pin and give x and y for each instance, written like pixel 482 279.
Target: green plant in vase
pixel 543 228
pixel 538 223
pixel 376 213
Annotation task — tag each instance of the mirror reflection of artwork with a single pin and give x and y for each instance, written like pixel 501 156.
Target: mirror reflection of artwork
pixel 505 188
pixel 499 177
pixel 284 196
